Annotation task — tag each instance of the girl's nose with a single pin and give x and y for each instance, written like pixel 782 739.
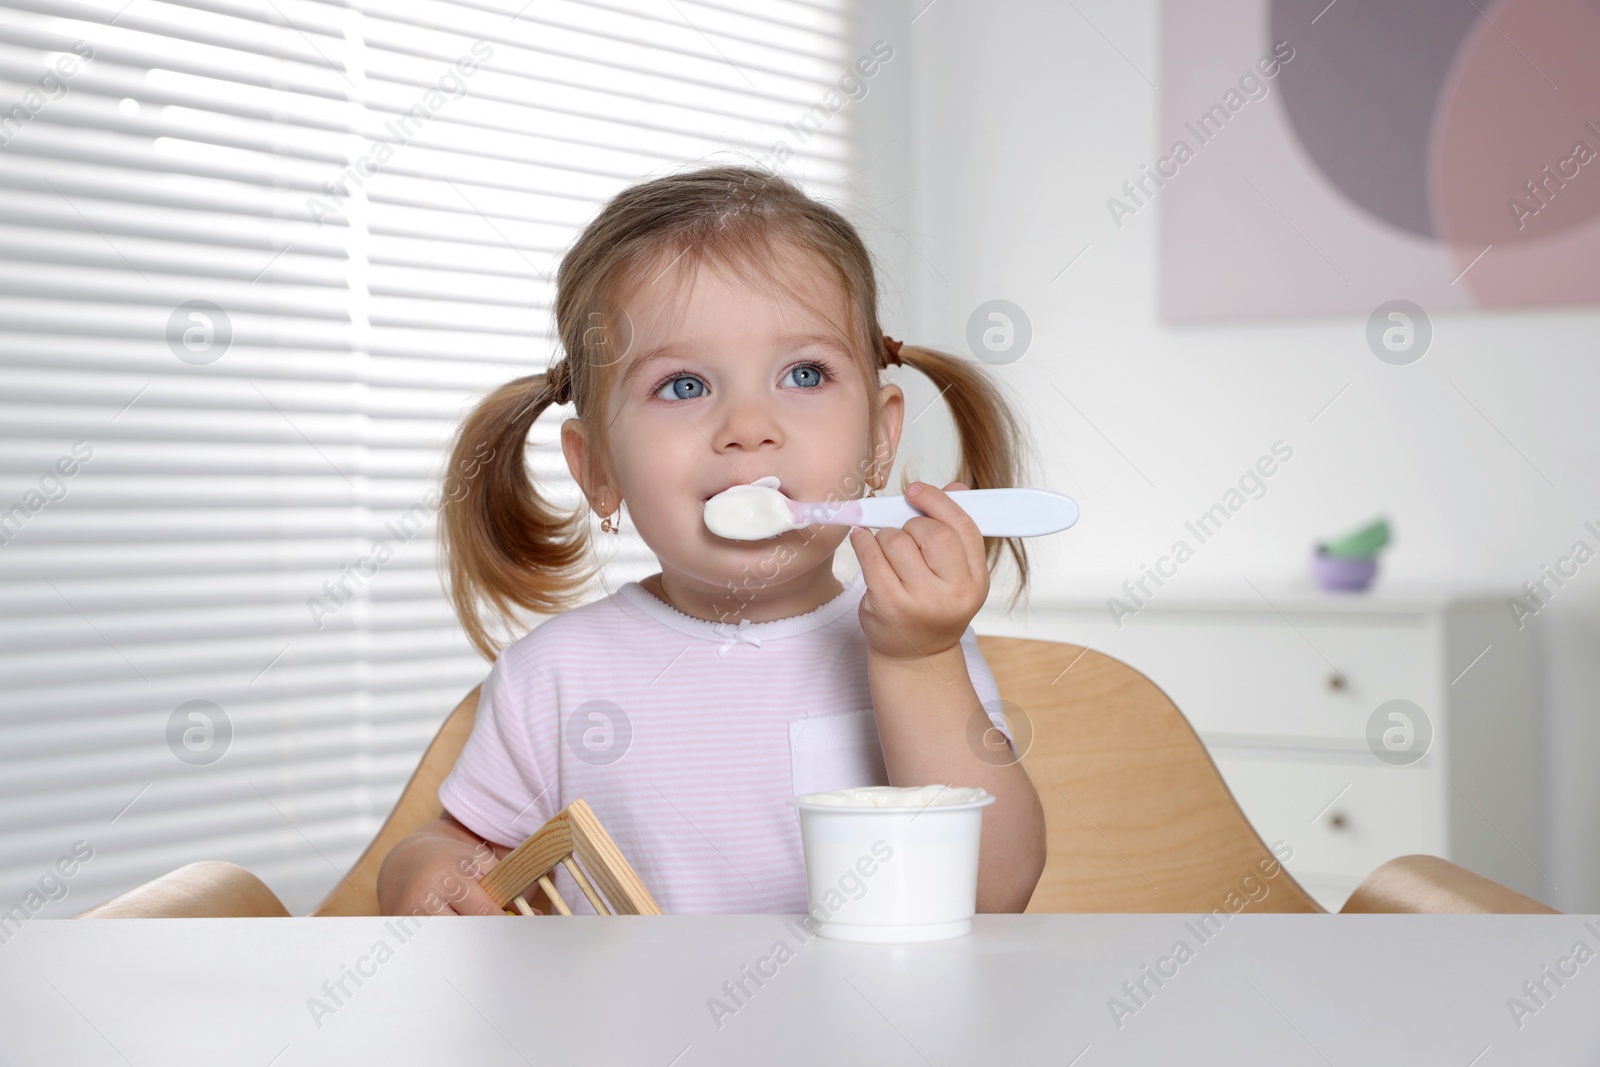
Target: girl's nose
pixel 748 423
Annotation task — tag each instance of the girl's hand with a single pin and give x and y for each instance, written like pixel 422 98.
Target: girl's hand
pixel 435 871
pixel 926 582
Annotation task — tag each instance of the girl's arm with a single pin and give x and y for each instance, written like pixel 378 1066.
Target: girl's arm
pixel 925 583
pixel 924 708
pixel 435 870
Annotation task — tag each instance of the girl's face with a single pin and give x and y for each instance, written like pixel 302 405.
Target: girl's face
pixel 724 383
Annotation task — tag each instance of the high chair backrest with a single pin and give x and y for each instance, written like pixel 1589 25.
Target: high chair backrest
pixel 1137 818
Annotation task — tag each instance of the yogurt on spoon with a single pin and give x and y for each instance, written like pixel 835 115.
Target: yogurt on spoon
pixel 750 512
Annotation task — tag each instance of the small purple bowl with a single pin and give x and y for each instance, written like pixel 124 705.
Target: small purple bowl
pixel 1342 574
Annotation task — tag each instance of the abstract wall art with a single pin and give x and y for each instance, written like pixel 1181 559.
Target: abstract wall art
pixel 1320 158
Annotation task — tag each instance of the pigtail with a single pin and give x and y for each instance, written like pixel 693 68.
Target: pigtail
pixel 502 545
pixel 992 442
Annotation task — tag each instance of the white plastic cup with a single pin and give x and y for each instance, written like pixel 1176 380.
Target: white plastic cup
pixel 891 873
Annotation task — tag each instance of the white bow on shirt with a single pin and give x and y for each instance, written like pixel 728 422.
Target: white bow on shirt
pixel 734 635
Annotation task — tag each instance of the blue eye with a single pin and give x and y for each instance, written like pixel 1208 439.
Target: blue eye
pixel 814 372
pixel 680 393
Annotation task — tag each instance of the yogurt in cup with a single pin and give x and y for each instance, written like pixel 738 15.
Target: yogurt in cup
pixel 888 863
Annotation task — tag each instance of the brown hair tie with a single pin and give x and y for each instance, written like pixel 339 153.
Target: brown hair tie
pixel 558 380
pixel 892 347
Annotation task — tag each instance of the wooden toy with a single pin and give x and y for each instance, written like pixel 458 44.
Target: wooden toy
pixel 573 834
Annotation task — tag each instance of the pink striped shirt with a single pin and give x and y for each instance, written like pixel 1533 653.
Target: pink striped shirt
pixel 686 737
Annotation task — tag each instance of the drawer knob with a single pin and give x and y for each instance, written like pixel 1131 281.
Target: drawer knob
pixel 1338 821
pixel 1337 682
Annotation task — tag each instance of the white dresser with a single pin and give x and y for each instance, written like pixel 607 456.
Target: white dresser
pixel 1282 688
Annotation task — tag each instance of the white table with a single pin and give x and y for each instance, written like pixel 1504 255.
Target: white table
pixel 1022 989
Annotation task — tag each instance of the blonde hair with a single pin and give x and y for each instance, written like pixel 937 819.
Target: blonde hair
pixel 504 546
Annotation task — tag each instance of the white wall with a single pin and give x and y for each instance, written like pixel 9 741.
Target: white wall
pixel 990 145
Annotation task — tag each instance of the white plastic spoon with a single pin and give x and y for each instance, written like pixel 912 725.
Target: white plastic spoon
pixel 758 510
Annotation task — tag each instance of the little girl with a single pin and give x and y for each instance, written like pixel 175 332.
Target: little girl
pixel 720 326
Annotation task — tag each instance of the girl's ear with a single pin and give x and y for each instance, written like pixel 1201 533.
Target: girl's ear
pixel 575 446
pixel 891 417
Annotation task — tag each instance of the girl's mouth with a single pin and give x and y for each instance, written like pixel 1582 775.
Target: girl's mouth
pixel 771 480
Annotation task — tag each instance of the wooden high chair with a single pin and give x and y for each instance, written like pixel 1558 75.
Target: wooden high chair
pixel 1137 817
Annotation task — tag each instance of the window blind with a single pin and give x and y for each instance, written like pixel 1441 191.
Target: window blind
pixel 257 259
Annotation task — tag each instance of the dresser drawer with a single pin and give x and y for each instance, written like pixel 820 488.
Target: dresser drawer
pixel 1258 675
pixel 1343 819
